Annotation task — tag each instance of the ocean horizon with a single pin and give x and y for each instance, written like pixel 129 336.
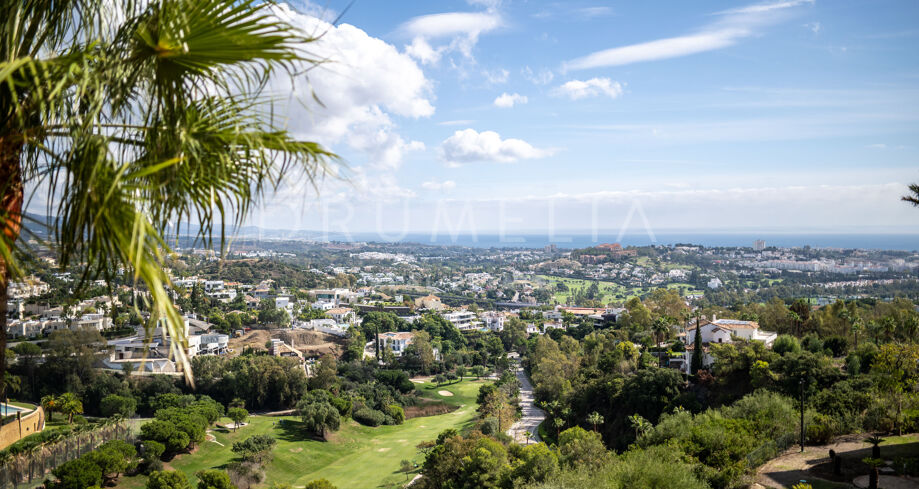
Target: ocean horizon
pixel 880 241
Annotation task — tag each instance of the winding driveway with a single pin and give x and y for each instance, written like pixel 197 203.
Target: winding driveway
pixel 532 415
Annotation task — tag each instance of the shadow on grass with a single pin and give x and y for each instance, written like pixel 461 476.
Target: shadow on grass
pixel 291 431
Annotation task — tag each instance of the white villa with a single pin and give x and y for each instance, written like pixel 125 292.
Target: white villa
pixel 397 342
pixel 719 331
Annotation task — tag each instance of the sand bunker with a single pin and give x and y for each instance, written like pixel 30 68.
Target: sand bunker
pixel 445 393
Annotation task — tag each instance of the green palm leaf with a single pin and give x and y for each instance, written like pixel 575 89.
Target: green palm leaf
pixel 136 126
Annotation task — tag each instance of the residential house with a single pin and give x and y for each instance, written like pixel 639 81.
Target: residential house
pixel 397 342
pixel 492 320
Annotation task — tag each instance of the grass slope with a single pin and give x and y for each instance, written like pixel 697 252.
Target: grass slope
pixel 355 457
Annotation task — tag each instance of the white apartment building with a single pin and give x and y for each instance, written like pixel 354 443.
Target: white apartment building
pixel 463 320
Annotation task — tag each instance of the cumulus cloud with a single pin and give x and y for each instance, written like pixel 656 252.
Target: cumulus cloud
pixel 732 26
pixel 578 89
pixel 508 100
pixel 435 185
pixel 362 86
pixel 469 145
pixel 456 31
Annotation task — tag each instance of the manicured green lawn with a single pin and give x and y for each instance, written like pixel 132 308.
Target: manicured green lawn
pixel 356 456
pixel 609 291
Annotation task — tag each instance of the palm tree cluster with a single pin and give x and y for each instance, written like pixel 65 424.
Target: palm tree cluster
pixel 128 119
pixel 67 404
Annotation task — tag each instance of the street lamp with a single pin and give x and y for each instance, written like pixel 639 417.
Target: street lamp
pixel 802 413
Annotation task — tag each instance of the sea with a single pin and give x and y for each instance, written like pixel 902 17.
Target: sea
pixel 884 241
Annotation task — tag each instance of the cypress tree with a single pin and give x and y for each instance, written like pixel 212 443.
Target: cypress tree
pixel 697 352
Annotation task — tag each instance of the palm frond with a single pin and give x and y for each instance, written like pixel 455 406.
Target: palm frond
pixel 158 120
pixel 913 196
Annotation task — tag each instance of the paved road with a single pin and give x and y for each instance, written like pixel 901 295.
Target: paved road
pixel 532 415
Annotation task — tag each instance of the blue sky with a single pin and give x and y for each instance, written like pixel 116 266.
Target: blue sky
pixel 527 115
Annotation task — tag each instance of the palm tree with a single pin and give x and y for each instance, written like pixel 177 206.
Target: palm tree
pixel 639 424
pixel 559 423
pixel 856 329
pixel 49 403
pixel 661 329
pixel 132 117
pixel 10 383
pixel 69 404
pixel 595 419
pixel 913 196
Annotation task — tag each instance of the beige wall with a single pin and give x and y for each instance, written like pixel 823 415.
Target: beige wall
pixel 30 423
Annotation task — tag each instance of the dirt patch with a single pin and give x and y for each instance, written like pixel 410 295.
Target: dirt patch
pixel 296 450
pixel 310 343
pixel 430 409
pixel 445 393
pixel 385 449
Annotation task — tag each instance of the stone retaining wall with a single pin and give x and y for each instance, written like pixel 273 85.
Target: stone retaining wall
pixel 27 424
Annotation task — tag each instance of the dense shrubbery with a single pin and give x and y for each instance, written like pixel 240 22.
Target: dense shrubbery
pixel 98 467
pixel 369 417
pixel 180 422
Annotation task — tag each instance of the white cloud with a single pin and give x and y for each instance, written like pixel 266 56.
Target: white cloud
pixel 435 185
pixel 365 82
pixel 542 78
pixel 496 77
pixel 462 29
pixel 877 146
pixel 468 145
pixel 458 122
pixel 591 12
pixel 508 100
pixel 578 89
pixel 733 25
pixel 814 27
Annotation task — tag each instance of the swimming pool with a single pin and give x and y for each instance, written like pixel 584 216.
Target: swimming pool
pixel 6 409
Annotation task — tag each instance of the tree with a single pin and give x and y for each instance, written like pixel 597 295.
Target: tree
pixel 461 372
pixel 578 447
pixel 50 404
pixel 640 425
pixel 238 415
pixel 478 371
pixel 913 196
pixel 114 404
pixel 256 448
pixel 213 479
pixel 896 368
pixel 136 119
pixel 661 329
pixel 319 417
pixel 70 405
pixel 113 457
pixel 537 464
pixel 697 363
pixel 167 479
pixel 595 419
pixel 419 355
pixel 326 373
pixel 28 353
pixel 77 474
pixel 559 423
